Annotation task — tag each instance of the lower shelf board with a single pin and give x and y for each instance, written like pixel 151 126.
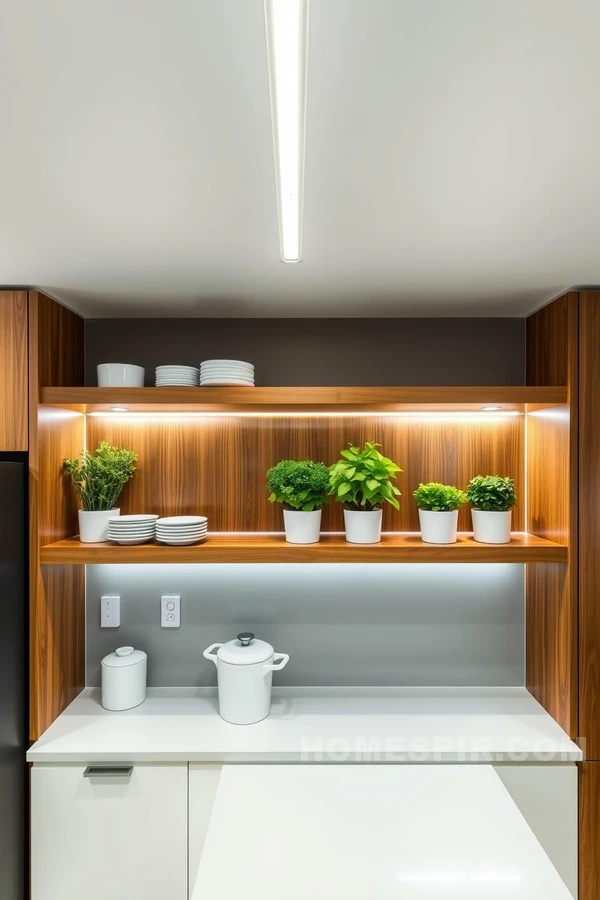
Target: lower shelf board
pixel 270 548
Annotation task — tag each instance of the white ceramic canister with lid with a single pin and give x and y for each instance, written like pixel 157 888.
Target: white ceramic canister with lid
pixel 124 678
pixel 244 674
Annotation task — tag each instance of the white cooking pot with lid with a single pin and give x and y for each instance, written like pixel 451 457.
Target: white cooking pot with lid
pixel 244 674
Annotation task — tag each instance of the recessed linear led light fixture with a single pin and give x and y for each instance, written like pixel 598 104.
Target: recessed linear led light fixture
pixel 119 409
pixel 490 408
pixel 287 54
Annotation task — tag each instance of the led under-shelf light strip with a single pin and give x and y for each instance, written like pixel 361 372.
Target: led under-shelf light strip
pixel 286 24
pixel 435 415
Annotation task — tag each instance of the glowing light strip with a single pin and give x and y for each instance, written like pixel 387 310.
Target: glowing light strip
pixel 286 24
pixel 434 415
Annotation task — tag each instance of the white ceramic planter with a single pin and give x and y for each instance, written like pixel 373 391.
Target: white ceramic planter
pixel 93 525
pixel 302 527
pixel 363 527
pixel 491 527
pixel 438 527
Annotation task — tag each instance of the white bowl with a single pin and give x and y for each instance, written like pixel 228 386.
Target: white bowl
pixel 120 375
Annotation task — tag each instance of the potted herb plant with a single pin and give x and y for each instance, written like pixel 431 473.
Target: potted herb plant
pixel 492 498
pixel 99 479
pixel 362 480
pixel 302 488
pixel 438 511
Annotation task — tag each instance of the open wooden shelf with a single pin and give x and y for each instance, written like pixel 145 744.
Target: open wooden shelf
pixel 303 399
pixel 269 548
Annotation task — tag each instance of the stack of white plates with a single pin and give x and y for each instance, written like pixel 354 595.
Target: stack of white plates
pixel 176 375
pixel 181 530
pixel 226 371
pixel 131 529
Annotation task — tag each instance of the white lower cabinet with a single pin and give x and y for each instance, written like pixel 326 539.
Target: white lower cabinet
pixel 109 834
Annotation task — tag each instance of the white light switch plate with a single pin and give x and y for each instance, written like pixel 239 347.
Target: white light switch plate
pixel 170 616
pixel 110 611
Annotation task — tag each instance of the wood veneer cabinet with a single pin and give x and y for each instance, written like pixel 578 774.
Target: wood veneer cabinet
pixel 218 465
pixel 57 594
pixel 13 371
pixel 552 509
pixel 589 524
pixel 589 831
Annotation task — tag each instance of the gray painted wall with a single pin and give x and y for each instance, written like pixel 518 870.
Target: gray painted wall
pixel 345 624
pixel 322 351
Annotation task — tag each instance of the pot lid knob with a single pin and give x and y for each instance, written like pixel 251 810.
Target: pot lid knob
pixel 245 638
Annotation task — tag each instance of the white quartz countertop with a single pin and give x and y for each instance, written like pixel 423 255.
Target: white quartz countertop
pixel 318 725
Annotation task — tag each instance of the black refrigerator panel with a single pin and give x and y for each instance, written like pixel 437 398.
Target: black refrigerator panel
pixel 13 677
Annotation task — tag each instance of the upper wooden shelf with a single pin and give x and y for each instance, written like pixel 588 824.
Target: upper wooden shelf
pixel 269 548
pixel 304 399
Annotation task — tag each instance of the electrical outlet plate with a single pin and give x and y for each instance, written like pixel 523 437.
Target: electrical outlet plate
pixel 170 614
pixel 110 611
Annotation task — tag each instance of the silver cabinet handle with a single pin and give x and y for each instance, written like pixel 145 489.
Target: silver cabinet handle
pixel 108 771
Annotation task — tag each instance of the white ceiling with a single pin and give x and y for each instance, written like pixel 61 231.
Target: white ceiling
pixel 452 160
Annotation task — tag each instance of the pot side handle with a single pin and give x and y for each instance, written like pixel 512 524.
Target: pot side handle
pixel 208 653
pixel 275 667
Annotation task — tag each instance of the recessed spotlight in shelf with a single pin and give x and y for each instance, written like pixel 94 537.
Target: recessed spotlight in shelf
pixel 490 408
pixel 119 409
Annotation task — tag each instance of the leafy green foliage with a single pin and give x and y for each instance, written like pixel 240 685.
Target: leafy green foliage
pixel 298 485
pixel 362 479
pixel 99 477
pixel 439 497
pixel 491 493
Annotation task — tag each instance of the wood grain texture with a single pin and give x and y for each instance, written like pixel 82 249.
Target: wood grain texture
pixel 589 526
pixel 551 344
pixel 551 606
pixel 60 342
pixel 57 597
pixel 550 482
pixel 243 548
pixel 13 371
pixel 589 831
pixel 216 466
pixel 300 399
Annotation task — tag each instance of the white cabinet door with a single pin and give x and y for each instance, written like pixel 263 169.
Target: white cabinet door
pixel 203 784
pixel 351 832
pixel 114 836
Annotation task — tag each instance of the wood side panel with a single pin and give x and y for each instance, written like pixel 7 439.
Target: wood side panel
pixel 549 480
pixel 216 466
pixel 13 371
pixel 551 341
pixel 589 526
pixel 551 589
pixel 589 831
pixel 57 599
pixel 61 343
pixel 551 658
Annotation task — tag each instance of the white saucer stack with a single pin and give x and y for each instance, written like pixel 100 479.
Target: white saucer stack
pixel 181 530
pixel 131 529
pixel 226 371
pixel 176 375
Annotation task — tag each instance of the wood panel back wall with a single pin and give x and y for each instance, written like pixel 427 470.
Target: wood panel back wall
pixel 216 465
